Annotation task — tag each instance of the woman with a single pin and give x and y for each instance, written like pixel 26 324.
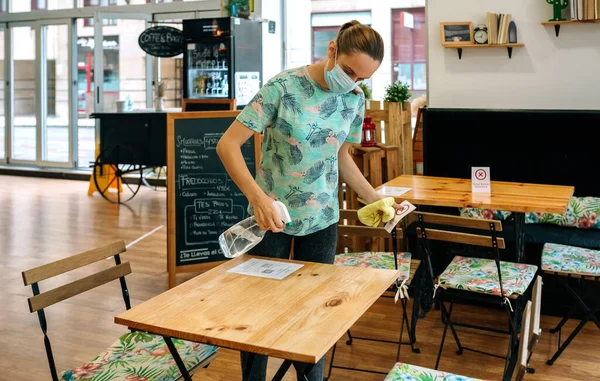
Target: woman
pixel 309 117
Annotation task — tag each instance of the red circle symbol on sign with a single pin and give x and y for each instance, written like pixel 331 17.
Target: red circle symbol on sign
pixel 480 174
pixel 403 208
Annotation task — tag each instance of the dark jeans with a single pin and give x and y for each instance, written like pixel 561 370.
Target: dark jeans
pixel 316 247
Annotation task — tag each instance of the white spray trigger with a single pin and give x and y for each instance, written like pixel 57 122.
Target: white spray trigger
pixel 283 212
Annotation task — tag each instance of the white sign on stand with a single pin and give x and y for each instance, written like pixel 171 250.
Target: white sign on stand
pixel 480 180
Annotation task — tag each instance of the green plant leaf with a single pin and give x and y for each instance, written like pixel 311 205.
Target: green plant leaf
pixel 366 90
pixel 397 92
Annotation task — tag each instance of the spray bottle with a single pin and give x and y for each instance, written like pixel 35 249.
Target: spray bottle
pixel 246 234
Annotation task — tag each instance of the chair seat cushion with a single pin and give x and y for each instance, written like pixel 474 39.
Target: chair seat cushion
pixel 481 275
pixel 570 259
pixel 407 372
pixel 377 260
pixel 140 356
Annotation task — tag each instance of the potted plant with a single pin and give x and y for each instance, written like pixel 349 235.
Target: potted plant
pixel 397 92
pixel 399 130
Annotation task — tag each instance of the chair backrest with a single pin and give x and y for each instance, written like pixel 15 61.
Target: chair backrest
pixel 523 357
pixel 39 301
pixel 441 233
pixel 357 229
pixel 208 104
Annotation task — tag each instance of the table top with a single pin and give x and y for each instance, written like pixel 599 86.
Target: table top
pixel 509 196
pixel 298 318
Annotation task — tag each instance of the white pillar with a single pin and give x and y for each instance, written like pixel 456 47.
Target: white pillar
pixel 381 16
pixel 298 33
pixel 272 43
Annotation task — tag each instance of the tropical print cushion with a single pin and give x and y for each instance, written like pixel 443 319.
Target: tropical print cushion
pixel 406 372
pixel 570 259
pixel 481 275
pixel 377 260
pixel 581 212
pixel 490 214
pixel 140 356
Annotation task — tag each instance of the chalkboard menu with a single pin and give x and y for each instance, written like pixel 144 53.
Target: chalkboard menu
pixel 203 200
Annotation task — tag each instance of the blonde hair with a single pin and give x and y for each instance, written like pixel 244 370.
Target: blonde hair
pixel 354 37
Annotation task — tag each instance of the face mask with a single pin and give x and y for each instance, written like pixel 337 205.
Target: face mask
pixel 337 80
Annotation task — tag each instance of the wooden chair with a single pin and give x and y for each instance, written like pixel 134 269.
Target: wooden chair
pixel 373 259
pixel 134 354
pixel 473 278
pixel 576 268
pixel 402 371
pixel 208 104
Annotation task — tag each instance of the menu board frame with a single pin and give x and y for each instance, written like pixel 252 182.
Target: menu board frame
pixel 172 267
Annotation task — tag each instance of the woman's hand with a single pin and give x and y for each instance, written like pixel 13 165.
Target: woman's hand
pixel 266 215
pixel 376 196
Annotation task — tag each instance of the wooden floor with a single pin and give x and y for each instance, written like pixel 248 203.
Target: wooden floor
pixel 43 220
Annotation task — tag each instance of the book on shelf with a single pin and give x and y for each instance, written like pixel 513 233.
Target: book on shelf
pixel 584 10
pixel 497 24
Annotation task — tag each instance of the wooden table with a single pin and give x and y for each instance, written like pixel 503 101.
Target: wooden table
pixel 298 318
pixel 518 198
pixel 514 197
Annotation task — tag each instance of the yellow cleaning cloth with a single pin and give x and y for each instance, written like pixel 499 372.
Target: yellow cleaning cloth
pixel 373 214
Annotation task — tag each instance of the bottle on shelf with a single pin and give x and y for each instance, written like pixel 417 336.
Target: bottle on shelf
pixel 209 85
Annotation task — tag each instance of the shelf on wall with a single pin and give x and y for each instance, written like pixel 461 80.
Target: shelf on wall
pixel 557 24
pixel 460 47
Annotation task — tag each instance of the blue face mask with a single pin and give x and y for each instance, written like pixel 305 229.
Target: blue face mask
pixel 338 80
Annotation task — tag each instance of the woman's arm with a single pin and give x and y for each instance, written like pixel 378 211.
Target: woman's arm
pixel 352 176
pixel 229 150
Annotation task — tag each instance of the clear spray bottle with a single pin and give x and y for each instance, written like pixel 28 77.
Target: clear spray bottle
pixel 246 234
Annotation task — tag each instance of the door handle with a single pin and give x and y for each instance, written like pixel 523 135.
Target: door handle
pixel 97 94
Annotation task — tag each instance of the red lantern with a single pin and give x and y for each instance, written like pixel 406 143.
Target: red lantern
pixel 368 132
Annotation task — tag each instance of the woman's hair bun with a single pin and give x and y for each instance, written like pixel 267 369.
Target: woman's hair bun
pixel 348 25
pixel 354 37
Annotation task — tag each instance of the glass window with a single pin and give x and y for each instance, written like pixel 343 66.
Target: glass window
pixel 2 94
pixel 321 39
pixel 24 119
pixel 337 19
pixel 409 56
pixel 419 77
pixel 39 5
pixel 85 93
pixel 57 92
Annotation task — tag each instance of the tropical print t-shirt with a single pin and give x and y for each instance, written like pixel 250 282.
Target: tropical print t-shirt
pixel 303 128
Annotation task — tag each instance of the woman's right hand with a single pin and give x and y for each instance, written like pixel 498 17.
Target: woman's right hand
pixel 266 214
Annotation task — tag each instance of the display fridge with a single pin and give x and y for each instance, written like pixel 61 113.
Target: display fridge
pixel 222 59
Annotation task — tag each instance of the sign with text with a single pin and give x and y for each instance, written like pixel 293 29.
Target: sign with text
pixel 203 201
pixel 162 41
pixel 480 180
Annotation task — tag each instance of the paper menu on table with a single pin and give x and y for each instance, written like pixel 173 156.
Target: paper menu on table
pixel 265 268
pixel 392 191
